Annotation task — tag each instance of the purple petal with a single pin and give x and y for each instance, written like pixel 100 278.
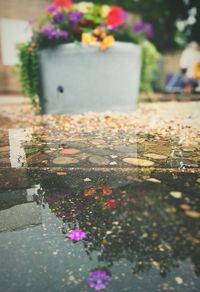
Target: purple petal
pixel 76 234
pixel 99 280
pixel 74 17
pixel 138 26
pixel 63 34
pixel 51 8
pixel 58 17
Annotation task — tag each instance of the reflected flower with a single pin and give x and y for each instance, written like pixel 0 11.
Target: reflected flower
pixel 99 280
pixel 111 204
pixel 76 234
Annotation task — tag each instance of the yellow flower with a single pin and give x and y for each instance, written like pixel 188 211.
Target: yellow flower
pixel 88 39
pixel 105 9
pixel 84 6
pixel 107 42
pixel 97 31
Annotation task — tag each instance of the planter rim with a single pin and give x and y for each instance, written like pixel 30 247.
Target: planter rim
pixel 71 47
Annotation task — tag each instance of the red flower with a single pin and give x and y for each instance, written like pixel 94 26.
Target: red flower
pixel 116 17
pixel 63 3
pixel 112 204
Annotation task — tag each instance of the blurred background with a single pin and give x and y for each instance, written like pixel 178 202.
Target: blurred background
pixel 175 24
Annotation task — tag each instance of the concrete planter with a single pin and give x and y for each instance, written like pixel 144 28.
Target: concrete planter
pixel 78 79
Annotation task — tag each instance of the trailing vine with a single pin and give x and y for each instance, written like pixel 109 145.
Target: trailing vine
pixel 29 71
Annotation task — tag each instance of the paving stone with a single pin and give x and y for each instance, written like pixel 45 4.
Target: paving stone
pixel 62 160
pixel 126 149
pixel 98 160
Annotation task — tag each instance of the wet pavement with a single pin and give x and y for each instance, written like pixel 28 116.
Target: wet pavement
pixel 100 201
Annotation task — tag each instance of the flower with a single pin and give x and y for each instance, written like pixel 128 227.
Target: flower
pixel 116 17
pixel 108 41
pixel 76 234
pixel 51 8
pixel 111 204
pixel 75 16
pixel 104 11
pixel 62 34
pixel 99 280
pixel 58 17
pixel 147 27
pixel 52 33
pixel 49 31
pixel 84 6
pixel 149 30
pixel 88 39
pixel 63 3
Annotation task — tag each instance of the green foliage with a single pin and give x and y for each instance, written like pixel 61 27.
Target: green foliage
pixel 150 57
pixel 29 71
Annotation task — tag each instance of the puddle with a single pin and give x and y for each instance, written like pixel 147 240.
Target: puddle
pixel 99 212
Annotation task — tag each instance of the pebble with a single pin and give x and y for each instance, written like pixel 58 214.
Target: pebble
pixel 179 280
pixel 138 162
pixel 177 195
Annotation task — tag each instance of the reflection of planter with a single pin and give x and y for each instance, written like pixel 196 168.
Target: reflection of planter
pixel 77 79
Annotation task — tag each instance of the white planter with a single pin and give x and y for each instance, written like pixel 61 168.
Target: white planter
pixel 78 79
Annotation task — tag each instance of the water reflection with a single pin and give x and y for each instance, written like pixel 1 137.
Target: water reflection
pixel 116 226
pixel 145 225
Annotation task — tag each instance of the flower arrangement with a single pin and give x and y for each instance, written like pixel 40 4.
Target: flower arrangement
pixel 85 23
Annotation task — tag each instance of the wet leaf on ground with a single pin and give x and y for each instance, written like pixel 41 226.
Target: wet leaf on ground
pixel 61 173
pixel 154 180
pixel 179 280
pixel 155 156
pixel 192 214
pixel 176 195
pixel 185 207
pixel 87 179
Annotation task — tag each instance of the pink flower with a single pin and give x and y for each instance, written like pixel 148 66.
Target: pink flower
pixel 51 8
pixel 116 17
pixel 99 280
pixel 63 3
pixel 76 234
